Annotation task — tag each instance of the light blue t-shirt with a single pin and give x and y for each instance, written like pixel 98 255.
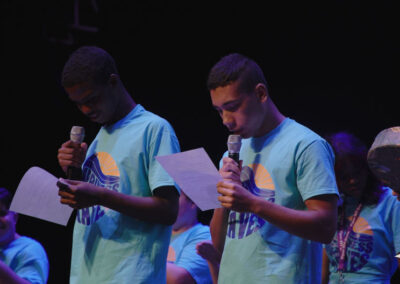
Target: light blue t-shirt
pixel 109 247
pixel 287 166
pixel 372 244
pixel 183 247
pixel 27 258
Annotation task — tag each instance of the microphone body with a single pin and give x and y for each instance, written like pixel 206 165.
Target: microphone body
pixel 74 173
pixel 234 144
pixel 77 135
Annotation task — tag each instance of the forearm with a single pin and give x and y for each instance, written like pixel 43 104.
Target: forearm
pixel 214 270
pixel 150 209
pixel 311 224
pixel 177 275
pixel 325 268
pixel 218 228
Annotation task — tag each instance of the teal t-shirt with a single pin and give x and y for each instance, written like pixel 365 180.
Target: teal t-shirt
pixel 183 252
pixel 109 247
pixel 372 245
pixel 27 258
pixel 287 166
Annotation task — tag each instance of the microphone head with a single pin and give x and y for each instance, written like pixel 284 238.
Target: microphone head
pixel 234 143
pixel 77 134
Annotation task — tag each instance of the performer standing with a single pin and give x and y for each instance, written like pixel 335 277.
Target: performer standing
pixel 279 203
pixel 127 202
pixel 368 236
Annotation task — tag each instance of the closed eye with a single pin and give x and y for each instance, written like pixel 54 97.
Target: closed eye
pixel 90 100
pixel 233 106
pixel 229 106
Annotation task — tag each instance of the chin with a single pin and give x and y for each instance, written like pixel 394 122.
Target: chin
pixel 245 135
pixel 241 134
pixel 98 120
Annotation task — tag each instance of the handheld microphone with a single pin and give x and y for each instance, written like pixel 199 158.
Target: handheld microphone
pixel 77 135
pixel 234 144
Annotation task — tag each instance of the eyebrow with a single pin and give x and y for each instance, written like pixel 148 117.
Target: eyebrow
pixel 90 95
pixel 233 101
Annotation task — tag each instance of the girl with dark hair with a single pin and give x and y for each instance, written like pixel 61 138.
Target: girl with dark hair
pixel 368 233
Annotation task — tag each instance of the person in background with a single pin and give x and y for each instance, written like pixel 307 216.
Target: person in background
pixel 280 202
pixel 22 259
pixel 184 264
pixel 368 236
pixel 126 201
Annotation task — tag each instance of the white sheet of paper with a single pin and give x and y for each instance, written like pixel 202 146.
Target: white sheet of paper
pixel 195 174
pixel 37 196
pixel 398 255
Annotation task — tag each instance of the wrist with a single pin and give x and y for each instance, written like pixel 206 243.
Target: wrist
pixel 255 205
pixel 214 262
pixel 101 194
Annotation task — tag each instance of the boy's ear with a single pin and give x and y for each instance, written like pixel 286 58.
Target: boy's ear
pixel 113 79
pixel 261 92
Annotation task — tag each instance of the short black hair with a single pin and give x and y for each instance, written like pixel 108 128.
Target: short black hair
pixel 234 67
pixel 90 64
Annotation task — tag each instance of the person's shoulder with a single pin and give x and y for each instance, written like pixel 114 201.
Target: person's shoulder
pixel 299 133
pixel 388 206
pixel 303 140
pixel 28 241
pixel 29 246
pixel 154 119
pixel 387 203
pixel 150 122
pixel 387 196
pixel 201 229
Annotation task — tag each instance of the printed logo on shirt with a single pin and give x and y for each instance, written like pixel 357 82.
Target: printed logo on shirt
pixel 256 179
pixel 171 257
pixel 359 246
pixel 101 170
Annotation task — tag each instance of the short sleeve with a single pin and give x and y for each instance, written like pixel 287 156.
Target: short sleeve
pixel 163 142
pixel 191 261
pixel 315 170
pixel 33 264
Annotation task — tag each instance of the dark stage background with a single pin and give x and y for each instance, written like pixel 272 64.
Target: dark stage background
pixel 331 66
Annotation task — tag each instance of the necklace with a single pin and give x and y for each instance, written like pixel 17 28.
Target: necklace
pixel 343 236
